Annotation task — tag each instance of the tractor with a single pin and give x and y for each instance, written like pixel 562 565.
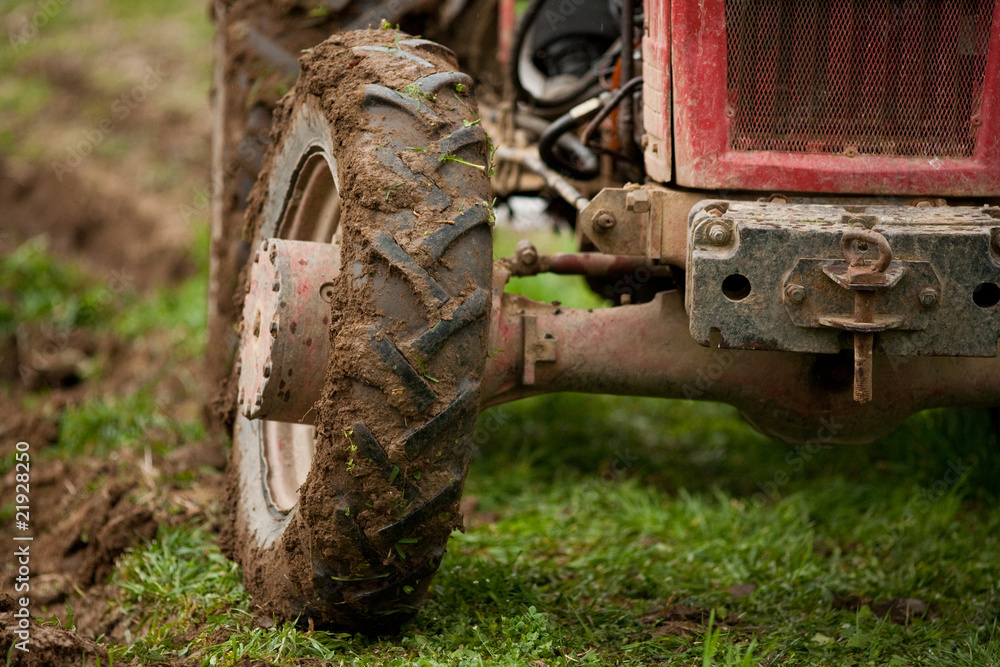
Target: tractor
pixel 791 206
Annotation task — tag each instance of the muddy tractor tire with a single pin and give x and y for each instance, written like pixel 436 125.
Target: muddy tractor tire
pixel 376 151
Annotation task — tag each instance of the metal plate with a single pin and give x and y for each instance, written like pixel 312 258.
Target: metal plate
pixel 744 256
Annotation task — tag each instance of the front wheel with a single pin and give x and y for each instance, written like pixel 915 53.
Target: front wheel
pixel 378 152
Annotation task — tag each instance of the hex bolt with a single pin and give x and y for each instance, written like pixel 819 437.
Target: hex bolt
pixel 526 253
pixel 604 221
pixel 717 233
pixel 795 293
pixel 638 201
pixel 928 297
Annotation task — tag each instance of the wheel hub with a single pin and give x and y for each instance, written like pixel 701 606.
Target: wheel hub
pixel 284 339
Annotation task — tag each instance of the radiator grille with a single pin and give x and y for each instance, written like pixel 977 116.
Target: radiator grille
pixel 877 77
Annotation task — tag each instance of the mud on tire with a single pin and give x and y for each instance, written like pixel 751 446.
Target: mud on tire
pixel 397 124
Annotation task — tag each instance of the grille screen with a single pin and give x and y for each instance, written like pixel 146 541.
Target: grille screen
pixel 881 77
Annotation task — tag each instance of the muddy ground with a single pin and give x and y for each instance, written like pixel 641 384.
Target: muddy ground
pixel 113 171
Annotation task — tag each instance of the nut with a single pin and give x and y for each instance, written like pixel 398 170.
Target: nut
pixel 795 293
pixel 717 233
pixel 928 297
pixel 604 221
pixel 638 201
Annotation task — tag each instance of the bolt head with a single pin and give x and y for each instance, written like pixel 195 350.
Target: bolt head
pixel 717 234
pixel 795 293
pixel 604 222
pixel 928 297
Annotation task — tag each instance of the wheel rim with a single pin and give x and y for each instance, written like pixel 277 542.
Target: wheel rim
pixel 312 213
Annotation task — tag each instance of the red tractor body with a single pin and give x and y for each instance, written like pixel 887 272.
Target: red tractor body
pixel 889 97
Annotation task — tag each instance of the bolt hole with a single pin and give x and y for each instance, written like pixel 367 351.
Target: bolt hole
pixel 736 287
pixel 256 326
pixel 986 295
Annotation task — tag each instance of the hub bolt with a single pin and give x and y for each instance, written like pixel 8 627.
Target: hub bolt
pixel 928 297
pixel 795 293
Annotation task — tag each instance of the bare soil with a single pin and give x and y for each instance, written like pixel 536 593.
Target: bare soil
pixel 104 217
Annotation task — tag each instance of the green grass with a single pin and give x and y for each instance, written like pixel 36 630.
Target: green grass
pixel 36 288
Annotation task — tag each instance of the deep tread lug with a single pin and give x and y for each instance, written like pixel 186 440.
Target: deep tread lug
pixel 402 261
pixel 438 242
pixel 349 527
pixel 461 138
pixel 421 394
pixel 471 310
pixel 463 407
pixel 433 83
pixel 370 448
pixel 394 532
pixel 376 95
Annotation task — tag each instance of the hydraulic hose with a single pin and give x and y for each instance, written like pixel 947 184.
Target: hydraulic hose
pixel 586 164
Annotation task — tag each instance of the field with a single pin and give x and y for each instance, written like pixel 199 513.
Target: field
pixel 598 530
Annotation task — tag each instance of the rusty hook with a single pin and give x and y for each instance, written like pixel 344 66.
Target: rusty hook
pixel 869 236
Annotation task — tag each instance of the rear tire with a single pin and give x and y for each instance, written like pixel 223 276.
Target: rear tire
pixel 360 539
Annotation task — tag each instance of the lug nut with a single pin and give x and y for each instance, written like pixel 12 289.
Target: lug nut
pixel 795 293
pixel 717 234
pixel 928 297
pixel 604 221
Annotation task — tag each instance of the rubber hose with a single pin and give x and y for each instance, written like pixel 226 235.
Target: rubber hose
pixel 588 165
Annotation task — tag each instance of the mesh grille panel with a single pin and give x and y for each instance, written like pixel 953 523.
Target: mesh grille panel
pixel 878 77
